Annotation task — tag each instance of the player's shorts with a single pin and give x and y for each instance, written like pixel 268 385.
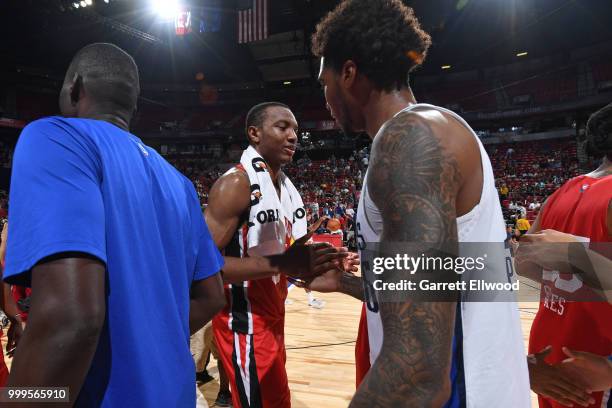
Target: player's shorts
pixel 255 366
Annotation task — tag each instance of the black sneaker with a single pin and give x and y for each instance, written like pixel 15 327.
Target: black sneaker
pixel 224 399
pixel 203 377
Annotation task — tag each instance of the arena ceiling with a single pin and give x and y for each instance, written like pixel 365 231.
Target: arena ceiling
pixel 44 34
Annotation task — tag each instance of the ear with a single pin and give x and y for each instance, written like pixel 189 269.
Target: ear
pixel 254 135
pixel 348 74
pixel 75 89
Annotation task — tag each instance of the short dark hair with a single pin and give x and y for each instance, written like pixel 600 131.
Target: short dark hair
pixel 382 37
pixel 599 132
pixel 110 75
pixel 257 114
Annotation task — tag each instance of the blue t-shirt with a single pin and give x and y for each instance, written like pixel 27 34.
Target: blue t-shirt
pixel 88 186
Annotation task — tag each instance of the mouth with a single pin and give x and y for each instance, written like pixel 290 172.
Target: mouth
pixel 289 149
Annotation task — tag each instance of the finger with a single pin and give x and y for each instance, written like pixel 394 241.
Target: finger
pixel 324 249
pixel 324 267
pixel 558 397
pixel 575 354
pixel 543 353
pixel 329 257
pixel 318 245
pixel 574 393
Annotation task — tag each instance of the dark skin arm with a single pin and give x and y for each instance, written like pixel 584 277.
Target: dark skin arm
pixel 67 312
pixel 229 199
pixel 7 303
pixel 339 280
pixel 413 181
pixel 206 300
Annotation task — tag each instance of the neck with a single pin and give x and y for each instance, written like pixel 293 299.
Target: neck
pixel 382 106
pixel 274 172
pixel 112 118
pixel 273 168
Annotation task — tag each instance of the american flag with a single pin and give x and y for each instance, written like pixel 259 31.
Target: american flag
pixel 253 22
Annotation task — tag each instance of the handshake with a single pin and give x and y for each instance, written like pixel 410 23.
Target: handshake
pixel 318 266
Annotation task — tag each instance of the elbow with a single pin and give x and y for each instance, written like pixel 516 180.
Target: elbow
pixel 219 302
pixel 443 393
pixel 87 325
pixel 83 322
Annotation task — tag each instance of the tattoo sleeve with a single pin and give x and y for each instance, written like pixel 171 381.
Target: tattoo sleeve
pixel 413 180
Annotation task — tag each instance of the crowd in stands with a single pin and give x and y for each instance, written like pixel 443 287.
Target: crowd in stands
pixel 6 155
pixel 526 174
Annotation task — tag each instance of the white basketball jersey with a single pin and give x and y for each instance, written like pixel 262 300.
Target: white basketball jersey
pixel 493 356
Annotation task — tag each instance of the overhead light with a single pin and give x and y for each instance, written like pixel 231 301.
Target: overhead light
pixel 89 2
pixel 107 1
pixel 287 83
pixel 76 5
pixel 166 9
pixel 83 4
pixel 521 54
pixel 446 66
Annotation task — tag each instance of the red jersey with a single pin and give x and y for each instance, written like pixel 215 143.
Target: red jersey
pixel 254 305
pixel 579 208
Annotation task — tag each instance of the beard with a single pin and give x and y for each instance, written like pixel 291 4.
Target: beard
pixel 346 124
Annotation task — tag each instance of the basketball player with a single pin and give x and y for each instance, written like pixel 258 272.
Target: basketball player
pixel 112 240
pixel 255 213
pixel 429 180
pixel 582 207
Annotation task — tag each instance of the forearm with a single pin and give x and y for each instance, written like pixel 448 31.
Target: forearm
pixel 529 270
pixel 54 354
pixel 253 267
pixel 389 385
pixel 8 303
pixel 201 311
pixel 352 285
pixel 593 267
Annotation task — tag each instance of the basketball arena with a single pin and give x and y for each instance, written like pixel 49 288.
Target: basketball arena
pixel 306 203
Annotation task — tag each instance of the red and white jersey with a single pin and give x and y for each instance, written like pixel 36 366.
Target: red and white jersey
pixel 269 228
pixel 488 336
pixel 580 208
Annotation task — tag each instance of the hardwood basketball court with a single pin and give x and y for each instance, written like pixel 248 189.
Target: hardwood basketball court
pixel 320 349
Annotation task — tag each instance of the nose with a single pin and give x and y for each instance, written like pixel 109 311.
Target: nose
pixel 292 136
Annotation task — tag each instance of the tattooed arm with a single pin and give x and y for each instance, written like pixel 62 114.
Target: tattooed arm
pixel 413 180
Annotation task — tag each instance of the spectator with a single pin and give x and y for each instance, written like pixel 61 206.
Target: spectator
pixel 522 225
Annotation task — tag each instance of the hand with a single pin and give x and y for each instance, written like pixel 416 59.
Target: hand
pixel 13 336
pixel 548 248
pixel 351 263
pixel 594 370
pixel 551 382
pixel 4 234
pixel 325 283
pixel 549 236
pixel 307 261
pixel 317 224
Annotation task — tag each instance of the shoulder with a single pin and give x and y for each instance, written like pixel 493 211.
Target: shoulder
pixel 420 142
pixel 232 190
pixel 234 179
pixel 53 136
pixel 45 126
